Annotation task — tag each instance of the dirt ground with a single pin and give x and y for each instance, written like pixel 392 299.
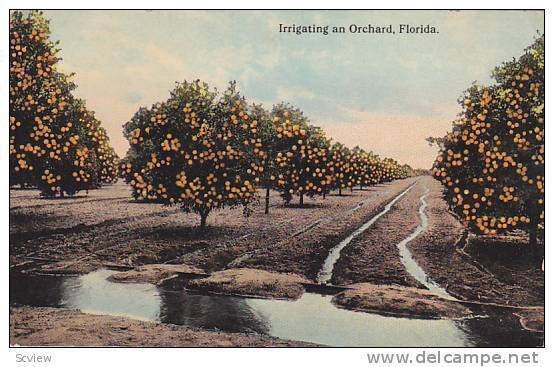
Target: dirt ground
pixel 252 282
pixel 38 326
pixel 532 320
pixel 154 273
pixel 398 300
pixel 107 227
pixel 486 271
pixel 373 256
pixel 82 233
pixel 490 270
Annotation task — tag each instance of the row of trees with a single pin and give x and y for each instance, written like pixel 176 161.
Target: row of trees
pixel 205 150
pixel 200 149
pixel 492 162
pixel 56 143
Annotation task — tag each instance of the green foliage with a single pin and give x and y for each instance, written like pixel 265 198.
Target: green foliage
pixel 492 163
pixel 199 150
pixel 301 154
pixel 340 167
pixel 53 145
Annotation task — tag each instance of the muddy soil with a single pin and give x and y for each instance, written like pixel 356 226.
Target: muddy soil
pixel 486 271
pixel 154 273
pixel 373 257
pixel 37 326
pixel 78 235
pixel 397 300
pixel 304 251
pixel 532 320
pixel 252 282
pixel 85 232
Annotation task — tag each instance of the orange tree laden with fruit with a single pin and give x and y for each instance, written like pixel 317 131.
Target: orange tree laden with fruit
pixel 302 155
pixel 49 143
pixel 340 167
pixel 361 167
pixel 492 163
pixel 267 131
pixel 98 142
pixel 368 169
pixel 377 169
pixel 406 171
pixel 199 150
pixel 390 170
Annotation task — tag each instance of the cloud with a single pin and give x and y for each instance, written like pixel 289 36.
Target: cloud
pixel 385 93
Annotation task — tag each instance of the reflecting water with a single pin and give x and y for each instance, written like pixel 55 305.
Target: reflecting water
pixel 409 262
pixel 326 272
pixel 312 318
pixel 232 314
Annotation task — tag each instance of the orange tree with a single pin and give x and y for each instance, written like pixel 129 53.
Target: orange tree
pixel 301 158
pixel 98 142
pixel 405 170
pixel 199 150
pixel 390 170
pixel 50 145
pixel 492 162
pixel 47 148
pixel 267 131
pixel 376 169
pixel 339 167
pixel 369 169
pixel 361 167
pixel 69 163
pixel 329 182
pixel 109 166
pixel 33 83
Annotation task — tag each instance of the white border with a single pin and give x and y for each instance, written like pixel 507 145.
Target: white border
pixel 234 357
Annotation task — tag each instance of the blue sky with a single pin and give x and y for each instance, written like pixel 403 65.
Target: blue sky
pixel 383 92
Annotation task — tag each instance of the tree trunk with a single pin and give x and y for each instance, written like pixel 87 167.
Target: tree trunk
pixel 351 188
pixel 267 200
pixel 301 199
pixel 361 187
pixel 533 238
pixel 324 191
pixel 340 191
pixel 533 234
pixel 533 241
pixel 534 245
pixel 203 218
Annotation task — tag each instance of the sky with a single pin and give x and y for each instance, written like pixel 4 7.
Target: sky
pixel 383 92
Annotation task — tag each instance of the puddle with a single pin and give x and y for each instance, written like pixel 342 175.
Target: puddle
pixel 326 272
pixel 312 318
pixel 409 262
